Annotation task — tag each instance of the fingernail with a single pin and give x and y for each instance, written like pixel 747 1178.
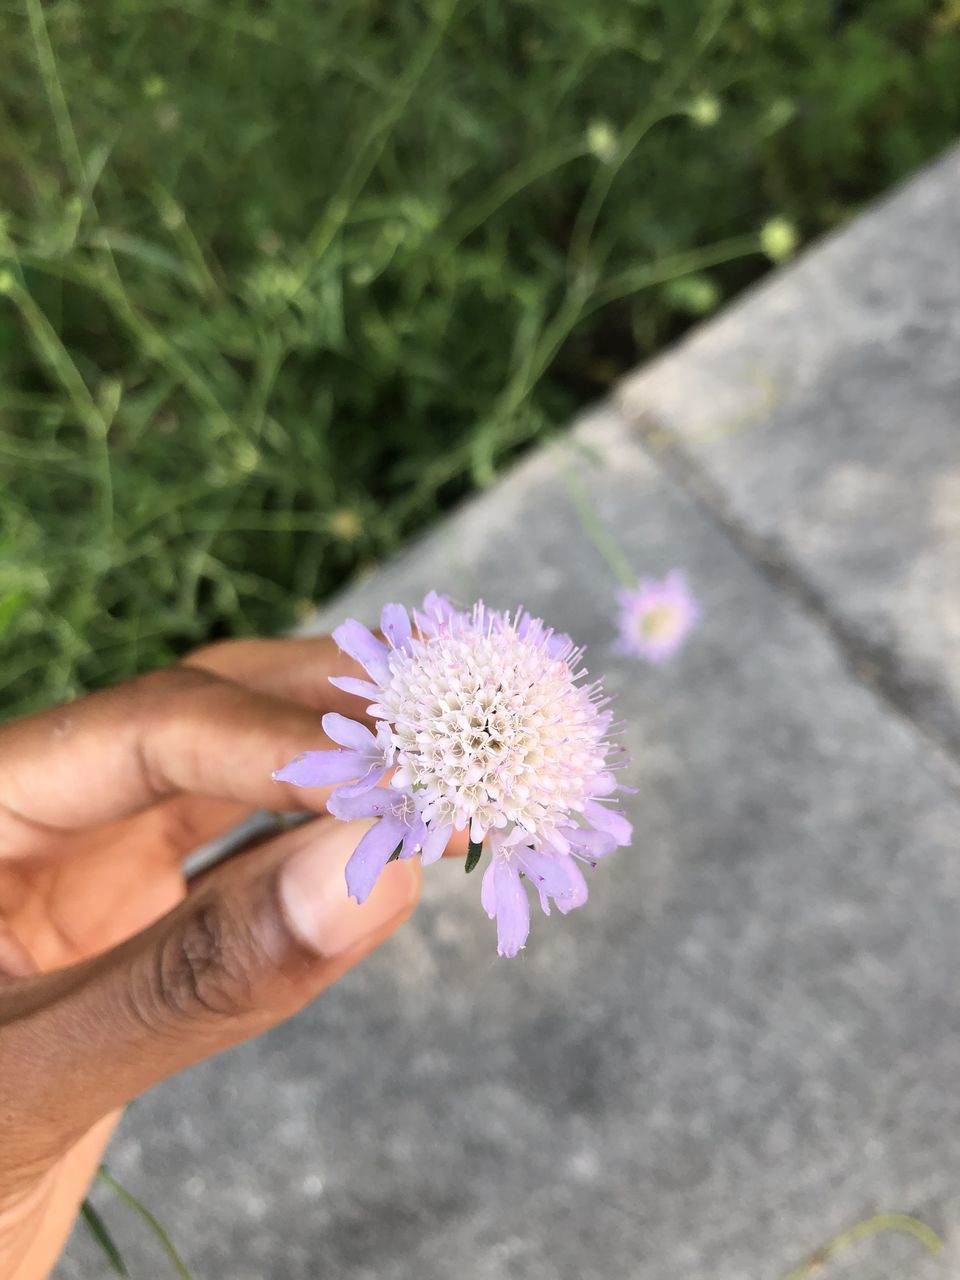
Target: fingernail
pixel 314 892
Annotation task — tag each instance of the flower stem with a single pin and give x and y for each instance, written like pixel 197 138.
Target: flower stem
pixel 601 538
pixel 868 1227
pixel 138 1207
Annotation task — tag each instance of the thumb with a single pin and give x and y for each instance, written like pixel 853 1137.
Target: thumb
pixel 257 939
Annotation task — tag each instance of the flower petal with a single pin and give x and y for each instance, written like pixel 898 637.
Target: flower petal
pixel 403 778
pixel 555 876
pixel 577 891
pixel 608 820
pixel 488 890
pixel 556 644
pixel 559 645
pixel 585 842
pixel 605 784
pixel 439 606
pixel 434 843
pixel 371 855
pixel 414 837
pixel 323 768
pixel 360 643
pixel 502 895
pixel 437 614
pixel 348 733
pixel 395 625
pixel 362 785
pixel 526 625
pixel 347 803
pixel 556 838
pixel 362 688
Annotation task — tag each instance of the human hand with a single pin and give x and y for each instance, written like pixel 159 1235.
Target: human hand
pixel 112 975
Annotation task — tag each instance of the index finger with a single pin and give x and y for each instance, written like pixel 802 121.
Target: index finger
pixel 294 667
pixel 123 749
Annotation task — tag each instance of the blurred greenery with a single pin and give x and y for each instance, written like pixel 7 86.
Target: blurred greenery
pixel 279 282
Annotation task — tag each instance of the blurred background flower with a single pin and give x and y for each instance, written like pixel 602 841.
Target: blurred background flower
pixel 655 617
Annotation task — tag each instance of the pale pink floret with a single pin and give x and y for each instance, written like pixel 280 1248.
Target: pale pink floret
pixel 656 617
pixel 489 726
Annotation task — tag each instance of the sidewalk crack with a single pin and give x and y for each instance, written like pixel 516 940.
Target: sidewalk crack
pixel 875 665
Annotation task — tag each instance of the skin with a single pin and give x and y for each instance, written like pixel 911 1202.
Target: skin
pixel 112 975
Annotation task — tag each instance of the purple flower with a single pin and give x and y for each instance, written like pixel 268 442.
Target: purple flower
pixel 656 617
pixel 505 900
pixel 489 727
pixel 366 758
pixel 400 830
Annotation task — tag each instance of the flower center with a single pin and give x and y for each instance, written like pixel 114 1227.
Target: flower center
pixel 658 623
pixel 487 726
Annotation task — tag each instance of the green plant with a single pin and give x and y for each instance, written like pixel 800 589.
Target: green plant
pixel 280 282
pixel 100 1232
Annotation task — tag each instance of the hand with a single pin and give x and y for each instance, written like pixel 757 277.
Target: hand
pixel 112 976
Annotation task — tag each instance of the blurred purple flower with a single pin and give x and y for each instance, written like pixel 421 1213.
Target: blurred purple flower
pixel 656 617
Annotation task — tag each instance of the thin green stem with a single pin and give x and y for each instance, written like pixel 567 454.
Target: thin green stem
pixel 510 185
pixel 659 108
pixel 602 539
pixel 205 280
pixel 591 207
pixel 338 61
pixel 860 1231
pixel 355 179
pixel 634 279
pixel 138 1207
pixel 58 359
pixel 151 341
pixel 56 98
pixel 503 430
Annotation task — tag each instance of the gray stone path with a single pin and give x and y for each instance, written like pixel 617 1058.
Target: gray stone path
pixel 820 415
pixel 750 1037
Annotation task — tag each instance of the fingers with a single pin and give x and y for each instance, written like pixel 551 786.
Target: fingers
pixel 120 750
pixel 15 960
pixel 298 668
pixel 258 939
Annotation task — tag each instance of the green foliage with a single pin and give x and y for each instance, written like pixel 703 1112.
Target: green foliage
pixel 101 1233
pixel 280 281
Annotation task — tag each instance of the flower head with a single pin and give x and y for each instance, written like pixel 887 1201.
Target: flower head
pixel 656 617
pixel 489 726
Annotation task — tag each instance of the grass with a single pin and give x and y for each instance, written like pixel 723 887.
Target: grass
pixel 280 282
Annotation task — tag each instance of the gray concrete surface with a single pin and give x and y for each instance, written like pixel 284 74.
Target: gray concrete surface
pixel 821 416
pixel 750 1037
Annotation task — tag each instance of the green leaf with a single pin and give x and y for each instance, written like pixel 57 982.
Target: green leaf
pixel 100 1232
pixel 474 850
pixel 396 853
pixel 144 251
